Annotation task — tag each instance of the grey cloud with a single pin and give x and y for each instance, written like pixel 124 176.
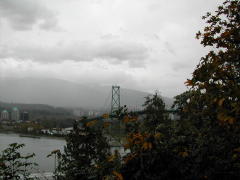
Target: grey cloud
pixel 23 14
pixel 109 36
pixel 182 65
pixel 169 47
pixel 183 9
pixel 122 51
pixel 114 52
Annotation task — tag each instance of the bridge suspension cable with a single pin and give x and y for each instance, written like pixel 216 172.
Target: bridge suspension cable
pixel 106 105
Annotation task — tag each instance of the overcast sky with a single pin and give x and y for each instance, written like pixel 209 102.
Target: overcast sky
pixel 139 44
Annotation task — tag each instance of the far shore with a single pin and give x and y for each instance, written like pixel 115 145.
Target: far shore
pixel 29 134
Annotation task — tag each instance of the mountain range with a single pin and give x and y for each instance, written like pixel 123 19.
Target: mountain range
pixel 62 93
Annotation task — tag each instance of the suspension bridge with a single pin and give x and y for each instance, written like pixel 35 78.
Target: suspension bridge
pixel 115 107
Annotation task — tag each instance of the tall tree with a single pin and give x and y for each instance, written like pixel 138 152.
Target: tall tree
pixel 215 88
pixel 85 154
pixel 154 108
pixel 217 76
pixel 151 155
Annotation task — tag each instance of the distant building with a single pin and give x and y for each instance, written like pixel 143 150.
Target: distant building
pixel 4 115
pixel 24 116
pixel 90 113
pixel 77 112
pixel 30 129
pixel 15 115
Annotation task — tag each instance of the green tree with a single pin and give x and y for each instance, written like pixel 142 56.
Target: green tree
pixel 150 143
pixel 180 103
pixel 154 109
pixel 212 105
pixel 85 154
pixel 217 76
pixel 14 165
pixel 205 143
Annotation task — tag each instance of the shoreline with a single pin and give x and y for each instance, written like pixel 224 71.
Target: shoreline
pixel 28 135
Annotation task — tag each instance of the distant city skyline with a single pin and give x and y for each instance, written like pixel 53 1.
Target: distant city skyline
pixel 145 45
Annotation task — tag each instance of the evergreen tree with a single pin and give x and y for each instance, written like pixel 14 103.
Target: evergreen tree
pixel 85 154
pixel 154 109
pixel 150 153
pixel 14 165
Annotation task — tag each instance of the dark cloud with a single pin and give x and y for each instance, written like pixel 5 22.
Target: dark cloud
pixel 114 52
pixel 23 14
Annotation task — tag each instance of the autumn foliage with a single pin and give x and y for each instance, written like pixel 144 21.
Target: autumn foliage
pixel 203 144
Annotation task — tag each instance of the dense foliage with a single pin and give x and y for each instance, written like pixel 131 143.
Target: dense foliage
pixel 217 77
pixel 86 154
pixel 205 143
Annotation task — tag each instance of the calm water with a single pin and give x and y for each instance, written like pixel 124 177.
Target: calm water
pixel 41 147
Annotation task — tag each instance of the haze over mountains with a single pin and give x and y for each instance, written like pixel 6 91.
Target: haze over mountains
pixel 61 93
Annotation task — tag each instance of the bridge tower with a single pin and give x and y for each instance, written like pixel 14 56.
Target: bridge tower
pixel 115 104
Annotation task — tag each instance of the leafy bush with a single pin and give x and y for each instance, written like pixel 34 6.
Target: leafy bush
pixel 13 165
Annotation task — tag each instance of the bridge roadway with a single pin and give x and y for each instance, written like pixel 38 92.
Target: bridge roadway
pixel 50 175
pixel 131 113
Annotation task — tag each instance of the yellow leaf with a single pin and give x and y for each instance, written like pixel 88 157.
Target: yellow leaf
pixel 183 154
pixel 126 146
pixel 97 166
pixel 129 157
pixel 225 34
pixel 221 117
pixel 55 151
pixel 231 120
pixel 111 158
pixel 225 119
pixel 207 34
pixel 106 124
pixel 118 175
pixel 220 102
pixel 91 123
pixel 150 145
pixel 147 145
pixel 105 116
pixel 128 119
pixel 188 82
pixel 137 138
pixel 157 135
pixel 237 149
